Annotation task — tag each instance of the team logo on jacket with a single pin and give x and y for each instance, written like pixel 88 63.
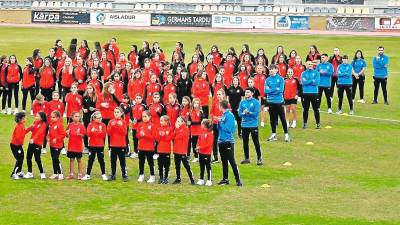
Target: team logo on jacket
pixel 113 123
pixel 55 127
pixel 149 127
pixel 167 132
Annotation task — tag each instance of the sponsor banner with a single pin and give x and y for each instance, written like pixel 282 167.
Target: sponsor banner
pixel 227 21
pixel 341 2
pixel 350 23
pixel 387 24
pixel 120 19
pixel 181 20
pixel 317 23
pixel 292 22
pixel 60 17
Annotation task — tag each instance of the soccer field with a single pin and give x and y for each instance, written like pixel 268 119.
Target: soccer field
pixel 350 175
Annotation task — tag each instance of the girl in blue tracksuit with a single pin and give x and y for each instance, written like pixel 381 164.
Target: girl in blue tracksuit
pixel 273 88
pixel 310 80
pixel 325 70
pixel 380 63
pixel 345 82
pixel 359 65
pixel 249 108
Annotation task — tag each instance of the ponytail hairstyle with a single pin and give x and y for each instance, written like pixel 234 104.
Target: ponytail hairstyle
pixel 207 124
pixel 43 117
pixel 19 116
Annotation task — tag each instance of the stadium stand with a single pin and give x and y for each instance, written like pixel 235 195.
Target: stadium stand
pixel 274 7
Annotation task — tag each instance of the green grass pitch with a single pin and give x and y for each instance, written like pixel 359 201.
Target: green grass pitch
pixel 349 176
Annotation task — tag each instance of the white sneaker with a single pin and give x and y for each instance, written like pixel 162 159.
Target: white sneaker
pixel 287 138
pixel 86 177
pixel 195 160
pixel 15 176
pixel 44 150
pixel 63 151
pixel 151 179
pixel 104 177
pixel 53 177
pixel 273 137
pixel 9 111
pixel 155 156
pixel 141 178
pixel 85 151
pixel 330 111
pixel 262 124
pixel 3 111
pixel 200 182
pixel 31 112
pixel 21 174
pixel 28 175
pixel 60 176
pixel 208 183
pixel 15 111
pixel 294 124
pixel 339 112
pixel 42 176
pixel 362 101
pixel 351 112
pixel 65 115
pixel 331 99
pixel 134 155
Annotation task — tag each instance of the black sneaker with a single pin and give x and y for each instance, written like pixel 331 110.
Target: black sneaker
pixel 374 102
pixel 240 136
pixel 165 181
pixel 192 181
pixel 215 161
pixel 239 184
pixel 177 181
pixel 260 162
pixel 245 161
pixel 161 181
pixel 223 182
pixel 304 125
pixel 386 103
pixel 125 178
pixel 112 178
pixel 318 126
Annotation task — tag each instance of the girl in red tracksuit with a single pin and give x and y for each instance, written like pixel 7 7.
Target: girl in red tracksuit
pixel 217 85
pixel 185 108
pixel 47 81
pixel 119 86
pixel 151 88
pixel 28 82
pixel 156 109
pixel 3 91
pixel 38 129
pixel 75 133
pixel 137 109
pixel 13 74
pixel 40 105
pixel 96 133
pixel 181 141
pixel 66 76
pixel 56 104
pixel 117 131
pixel 146 133
pixel 107 102
pixel 195 117
pixel 201 90
pixel 282 66
pixel 17 141
pixel 73 101
pixel 163 136
pixel 127 110
pixel 136 84
pixel 169 87
pixel 80 75
pixel 56 139
pixel 205 147
pixel 290 95
pixel 173 108
pixel 243 76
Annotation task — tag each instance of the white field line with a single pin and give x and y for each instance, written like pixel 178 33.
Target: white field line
pixel 364 117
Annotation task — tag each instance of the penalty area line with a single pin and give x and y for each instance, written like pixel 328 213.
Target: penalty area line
pixel 364 117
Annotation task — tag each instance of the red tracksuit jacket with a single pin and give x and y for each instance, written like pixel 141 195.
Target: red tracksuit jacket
pixel 76 132
pixel 136 86
pixel 282 68
pixel 80 73
pixel 137 111
pixel 243 80
pixel 38 129
pixel 150 90
pixel 156 111
pixel 164 135
pixel 96 132
pixel 172 112
pixel 290 88
pixel 185 112
pixel 57 105
pixel 45 107
pixel 168 89
pixel 74 103
pixel 211 71
pixel 146 142
pixel 205 142
pixel 18 135
pixel 28 78
pixel 200 90
pixel 119 89
pixel 47 78
pixel 67 77
pixel 13 73
pixel 195 118
pixel 117 133
pixel 259 82
pixel 106 112
pixel 181 140
pixel 56 134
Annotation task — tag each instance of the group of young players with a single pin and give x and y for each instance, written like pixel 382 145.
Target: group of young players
pixel 165 104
